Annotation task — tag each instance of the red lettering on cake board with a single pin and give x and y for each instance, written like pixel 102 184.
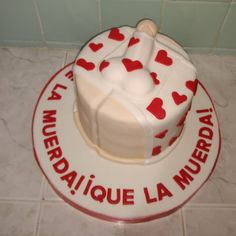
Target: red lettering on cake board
pixel 69 75
pixel 55 95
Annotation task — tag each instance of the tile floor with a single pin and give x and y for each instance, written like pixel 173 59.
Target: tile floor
pixel 28 206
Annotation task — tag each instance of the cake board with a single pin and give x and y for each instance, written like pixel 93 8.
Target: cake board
pixel 115 191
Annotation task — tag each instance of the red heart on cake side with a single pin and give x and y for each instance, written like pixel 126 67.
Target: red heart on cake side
pixel 95 46
pixel 192 85
pixel 162 134
pixel 154 78
pixel 178 99
pixel 156 150
pixel 133 41
pixel 131 65
pixel 87 65
pixel 162 58
pixel 103 65
pixel 155 107
pixel 116 35
pixel 182 119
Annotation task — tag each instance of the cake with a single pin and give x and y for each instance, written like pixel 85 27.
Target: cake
pixel 126 133
pixel 134 89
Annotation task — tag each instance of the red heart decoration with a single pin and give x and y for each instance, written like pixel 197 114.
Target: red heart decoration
pixel 192 85
pixel 103 65
pixel 155 107
pixel 154 78
pixel 131 65
pixel 162 58
pixel 156 150
pixel 178 99
pixel 85 64
pixel 95 46
pixel 116 35
pixel 172 140
pixel 162 134
pixel 181 121
pixel 133 41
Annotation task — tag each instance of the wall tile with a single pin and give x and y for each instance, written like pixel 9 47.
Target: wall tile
pixel 69 21
pixel 116 13
pixel 228 34
pixel 193 24
pixel 203 0
pixel 18 21
pixel 17 218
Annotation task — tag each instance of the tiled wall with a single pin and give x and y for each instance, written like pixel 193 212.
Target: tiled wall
pixel 202 25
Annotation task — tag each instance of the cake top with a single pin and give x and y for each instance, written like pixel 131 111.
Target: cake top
pixel 139 65
pixel 146 72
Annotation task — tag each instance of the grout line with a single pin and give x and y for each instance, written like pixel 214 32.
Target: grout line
pixel 65 58
pixel 59 200
pixel 17 200
pixel 39 21
pixel 72 43
pixel 38 214
pixel 183 222
pixel 197 1
pixel 209 206
pixel 99 14
pixel 216 41
pixel 162 14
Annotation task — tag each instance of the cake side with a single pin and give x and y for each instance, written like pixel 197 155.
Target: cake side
pixel 133 112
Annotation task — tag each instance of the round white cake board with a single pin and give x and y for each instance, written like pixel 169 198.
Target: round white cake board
pixel 115 191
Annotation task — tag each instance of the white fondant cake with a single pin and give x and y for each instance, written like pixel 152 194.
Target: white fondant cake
pixel 135 88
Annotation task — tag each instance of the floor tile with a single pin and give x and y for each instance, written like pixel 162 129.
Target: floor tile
pixel 24 73
pixel 218 76
pixel 17 219
pixel 72 54
pixel 60 219
pixel 210 222
pixel 49 193
pixel 167 226
pixel 230 63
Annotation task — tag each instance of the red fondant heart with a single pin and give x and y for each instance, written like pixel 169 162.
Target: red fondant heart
pixel 154 78
pixel 131 65
pixel 172 140
pixel 116 35
pixel 192 85
pixel 95 46
pixel 156 150
pixel 155 107
pixel 178 99
pixel 133 41
pixel 181 121
pixel 103 65
pixel 162 58
pixel 85 64
pixel 162 134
